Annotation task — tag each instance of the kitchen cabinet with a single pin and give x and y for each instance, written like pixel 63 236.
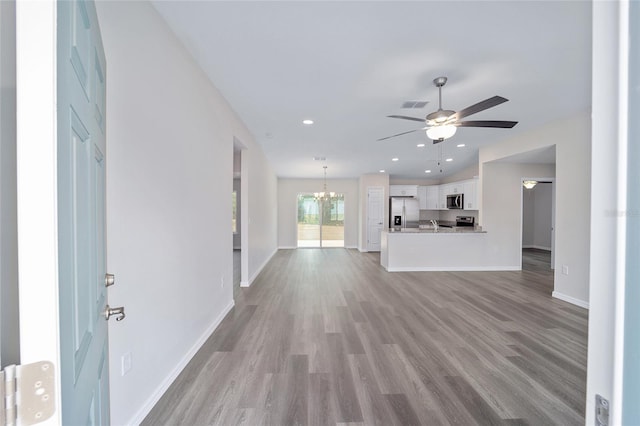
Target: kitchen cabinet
pixel 422 197
pixel 456 188
pixel 428 197
pixel 443 191
pixel 403 190
pixel 470 191
pixel 433 194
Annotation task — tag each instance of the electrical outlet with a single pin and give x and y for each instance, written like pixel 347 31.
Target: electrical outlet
pixel 565 270
pixel 125 362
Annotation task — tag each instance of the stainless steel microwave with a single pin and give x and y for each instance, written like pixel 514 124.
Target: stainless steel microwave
pixel 455 201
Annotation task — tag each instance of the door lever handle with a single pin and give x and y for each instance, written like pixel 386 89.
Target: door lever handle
pixel 119 311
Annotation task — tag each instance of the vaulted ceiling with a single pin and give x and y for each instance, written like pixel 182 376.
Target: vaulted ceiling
pixel 347 65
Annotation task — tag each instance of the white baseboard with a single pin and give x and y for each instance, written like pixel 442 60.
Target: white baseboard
pixel 255 275
pixel 453 268
pixel 570 299
pixel 533 246
pixel 166 383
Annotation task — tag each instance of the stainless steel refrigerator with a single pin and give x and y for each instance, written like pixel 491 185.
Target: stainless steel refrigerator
pixel 404 212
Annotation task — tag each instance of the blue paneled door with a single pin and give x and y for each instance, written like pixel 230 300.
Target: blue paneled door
pixel 81 215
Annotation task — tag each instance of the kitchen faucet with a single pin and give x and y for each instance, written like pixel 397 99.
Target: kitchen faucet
pixel 435 224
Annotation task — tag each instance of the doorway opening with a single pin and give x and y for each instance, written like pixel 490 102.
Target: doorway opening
pixel 236 217
pixel 320 223
pixel 538 225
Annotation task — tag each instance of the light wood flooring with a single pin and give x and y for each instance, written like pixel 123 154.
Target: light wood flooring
pixel 326 336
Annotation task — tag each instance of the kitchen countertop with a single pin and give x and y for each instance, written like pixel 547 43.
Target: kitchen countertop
pixel 441 230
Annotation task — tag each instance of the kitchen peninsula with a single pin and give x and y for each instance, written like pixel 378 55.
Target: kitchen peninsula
pixel 454 249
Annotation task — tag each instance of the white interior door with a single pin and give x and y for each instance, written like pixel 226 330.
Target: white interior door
pixel 375 217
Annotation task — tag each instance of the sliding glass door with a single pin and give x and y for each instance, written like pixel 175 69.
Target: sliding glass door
pixel 320 223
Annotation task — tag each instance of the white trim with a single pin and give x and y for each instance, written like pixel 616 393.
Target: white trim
pixel 173 375
pixel 570 299
pixel 453 268
pixel 533 246
pixel 621 228
pixel 36 96
pixel 255 275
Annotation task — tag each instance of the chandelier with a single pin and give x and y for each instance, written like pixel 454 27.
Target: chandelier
pixel 324 195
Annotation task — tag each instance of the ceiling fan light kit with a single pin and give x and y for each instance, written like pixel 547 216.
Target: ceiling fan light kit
pixel 442 124
pixel 442 132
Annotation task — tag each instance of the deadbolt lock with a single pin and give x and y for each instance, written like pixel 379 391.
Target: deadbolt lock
pixel 109 280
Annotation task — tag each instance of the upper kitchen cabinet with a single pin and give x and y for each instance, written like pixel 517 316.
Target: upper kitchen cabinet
pixel 403 190
pixel 428 197
pixel 443 191
pixel 422 197
pixel 455 188
pixel 433 194
pixel 470 191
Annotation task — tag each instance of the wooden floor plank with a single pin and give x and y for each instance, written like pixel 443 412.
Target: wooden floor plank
pixel 328 337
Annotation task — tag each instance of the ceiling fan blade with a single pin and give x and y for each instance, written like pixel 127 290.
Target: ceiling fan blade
pixel 404 117
pixel 400 134
pixel 487 123
pixel 480 106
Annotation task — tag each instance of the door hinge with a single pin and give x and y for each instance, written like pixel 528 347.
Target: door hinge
pixel 27 393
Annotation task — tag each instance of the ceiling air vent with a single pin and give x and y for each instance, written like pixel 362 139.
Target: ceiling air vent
pixel 414 104
pixel 320 158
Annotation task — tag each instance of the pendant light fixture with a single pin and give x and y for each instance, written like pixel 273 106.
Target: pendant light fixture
pixel 324 195
pixel 529 184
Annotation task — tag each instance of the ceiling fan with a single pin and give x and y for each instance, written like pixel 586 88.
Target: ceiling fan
pixel 443 123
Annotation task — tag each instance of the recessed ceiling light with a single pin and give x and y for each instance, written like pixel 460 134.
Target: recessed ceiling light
pixel 307 121
pixel 420 145
pixel 382 171
pixel 427 171
pixel 460 145
pixel 395 159
pixel 449 159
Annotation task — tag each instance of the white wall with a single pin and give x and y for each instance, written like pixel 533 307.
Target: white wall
pixel 9 325
pixel 536 216
pixel 259 206
pixel 170 138
pixel 288 190
pixel 528 206
pixel 572 139
pixel 502 208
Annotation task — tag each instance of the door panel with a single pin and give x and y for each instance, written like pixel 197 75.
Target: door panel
pixel 81 219
pixel 375 217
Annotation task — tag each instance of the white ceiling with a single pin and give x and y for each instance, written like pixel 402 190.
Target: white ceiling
pixel 347 65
